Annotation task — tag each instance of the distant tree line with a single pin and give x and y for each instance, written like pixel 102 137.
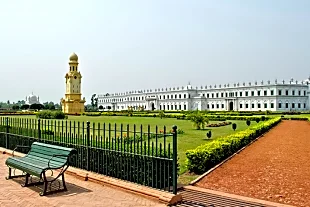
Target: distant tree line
pixel 20 105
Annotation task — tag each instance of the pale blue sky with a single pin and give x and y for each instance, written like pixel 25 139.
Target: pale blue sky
pixel 145 44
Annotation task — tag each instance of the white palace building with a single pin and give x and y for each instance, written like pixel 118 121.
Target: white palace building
pixel 262 96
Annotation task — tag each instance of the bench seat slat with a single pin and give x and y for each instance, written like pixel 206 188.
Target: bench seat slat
pixel 28 167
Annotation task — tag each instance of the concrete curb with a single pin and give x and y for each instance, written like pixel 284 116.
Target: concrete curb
pixel 161 196
pixel 230 157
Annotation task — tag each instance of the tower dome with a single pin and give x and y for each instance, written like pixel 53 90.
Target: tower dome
pixel 73 57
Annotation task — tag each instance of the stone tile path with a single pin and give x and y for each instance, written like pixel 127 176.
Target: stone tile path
pixel 80 193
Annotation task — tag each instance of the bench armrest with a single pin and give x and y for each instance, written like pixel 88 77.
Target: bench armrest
pixel 19 146
pixel 48 164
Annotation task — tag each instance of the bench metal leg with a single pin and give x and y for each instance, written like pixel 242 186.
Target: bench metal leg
pixel 43 193
pixel 26 181
pixel 63 182
pixel 49 183
pixel 10 176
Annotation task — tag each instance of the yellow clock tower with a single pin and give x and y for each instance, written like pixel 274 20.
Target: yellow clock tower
pixel 72 103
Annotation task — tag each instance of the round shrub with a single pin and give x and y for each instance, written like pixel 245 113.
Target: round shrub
pixel 263 118
pixel 58 115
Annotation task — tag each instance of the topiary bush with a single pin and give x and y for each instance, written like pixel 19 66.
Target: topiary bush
pixel 209 134
pixel 234 126
pixel 248 122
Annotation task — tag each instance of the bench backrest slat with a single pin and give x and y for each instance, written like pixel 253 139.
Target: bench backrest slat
pixel 43 152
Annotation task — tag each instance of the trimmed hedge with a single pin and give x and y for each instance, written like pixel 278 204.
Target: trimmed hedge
pixel 206 156
pixel 51 115
pixel 183 116
pixel 296 118
pixel 17 113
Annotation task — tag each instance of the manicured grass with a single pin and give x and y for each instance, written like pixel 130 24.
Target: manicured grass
pixel 189 140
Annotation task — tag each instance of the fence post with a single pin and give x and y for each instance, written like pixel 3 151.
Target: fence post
pixel 88 144
pixel 39 130
pixel 175 160
pixel 6 133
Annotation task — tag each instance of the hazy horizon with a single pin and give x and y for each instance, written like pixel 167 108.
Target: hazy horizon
pixel 148 44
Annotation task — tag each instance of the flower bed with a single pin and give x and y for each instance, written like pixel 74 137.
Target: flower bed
pixel 206 156
pixel 219 124
pixel 251 118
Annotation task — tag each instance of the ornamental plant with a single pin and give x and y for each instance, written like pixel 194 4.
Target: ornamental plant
pixel 234 126
pixel 209 134
pixel 161 114
pixel 248 122
pixel 198 119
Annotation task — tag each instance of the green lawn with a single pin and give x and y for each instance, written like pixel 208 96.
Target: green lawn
pixel 189 140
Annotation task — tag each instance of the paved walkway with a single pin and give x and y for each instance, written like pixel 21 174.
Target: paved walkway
pixel 80 193
pixel 275 168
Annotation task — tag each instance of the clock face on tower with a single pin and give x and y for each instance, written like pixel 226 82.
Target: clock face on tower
pixel 74 77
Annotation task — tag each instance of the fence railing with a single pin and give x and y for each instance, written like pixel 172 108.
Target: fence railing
pixel 147 157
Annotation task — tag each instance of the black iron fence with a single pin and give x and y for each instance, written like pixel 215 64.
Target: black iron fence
pixel 147 157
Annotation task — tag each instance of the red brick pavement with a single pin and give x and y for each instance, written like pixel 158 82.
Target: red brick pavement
pixel 80 193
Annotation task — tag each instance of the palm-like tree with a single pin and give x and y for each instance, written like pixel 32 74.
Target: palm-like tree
pixel 199 120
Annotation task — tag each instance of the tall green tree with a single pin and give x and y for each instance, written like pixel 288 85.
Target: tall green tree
pixel 15 107
pixel 94 101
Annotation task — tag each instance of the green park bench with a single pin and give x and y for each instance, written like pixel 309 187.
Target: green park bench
pixel 40 159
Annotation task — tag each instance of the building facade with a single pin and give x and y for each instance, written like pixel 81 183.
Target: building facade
pixel 32 99
pixel 277 96
pixel 72 103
